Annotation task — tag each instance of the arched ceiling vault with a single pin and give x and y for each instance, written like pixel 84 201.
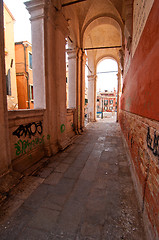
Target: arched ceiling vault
pixel 100 24
pixel 102 19
pixel 89 10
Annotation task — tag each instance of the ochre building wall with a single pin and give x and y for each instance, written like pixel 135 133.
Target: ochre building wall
pixel 139 116
pixel 12 101
pixel 22 92
pixel 21 74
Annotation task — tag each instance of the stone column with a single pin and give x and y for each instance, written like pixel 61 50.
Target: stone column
pixel 36 9
pixel 92 97
pixel 72 58
pixel 5 160
pixel 49 29
pixel 61 33
pixel 50 118
pixel 83 63
pixel 76 86
pixel 78 90
pixel 118 92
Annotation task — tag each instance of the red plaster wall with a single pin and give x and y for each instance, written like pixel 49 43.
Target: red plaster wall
pixel 141 84
pixel 139 106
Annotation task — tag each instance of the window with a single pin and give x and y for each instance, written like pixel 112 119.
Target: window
pixel 8 83
pixel 105 102
pixel 97 99
pixel 86 101
pixel 111 101
pixel 30 60
pixel 31 92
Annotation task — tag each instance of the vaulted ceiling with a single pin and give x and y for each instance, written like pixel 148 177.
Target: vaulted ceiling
pixel 95 24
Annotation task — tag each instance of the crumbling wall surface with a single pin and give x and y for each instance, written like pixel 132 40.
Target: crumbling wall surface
pixel 142 138
pixel 139 117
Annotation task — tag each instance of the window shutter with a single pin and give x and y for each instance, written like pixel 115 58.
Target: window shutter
pixel 8 83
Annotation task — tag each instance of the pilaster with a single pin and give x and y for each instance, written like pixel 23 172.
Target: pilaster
pixel 72 58
pixel 61 32
pixel 78 90
pixel 92 97
pixel 83 63
pixel 50 118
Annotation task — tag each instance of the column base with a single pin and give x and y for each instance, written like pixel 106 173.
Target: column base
pixel 64 144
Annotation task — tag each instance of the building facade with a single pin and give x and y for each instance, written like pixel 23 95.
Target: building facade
pixel 106 102
pixel 24 75
pixel 12 100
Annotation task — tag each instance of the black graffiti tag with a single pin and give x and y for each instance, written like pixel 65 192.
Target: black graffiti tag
pixel 156 145
pixel 153 144
pixel 30 129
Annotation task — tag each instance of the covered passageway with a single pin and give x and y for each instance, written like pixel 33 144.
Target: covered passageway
pixel 98 155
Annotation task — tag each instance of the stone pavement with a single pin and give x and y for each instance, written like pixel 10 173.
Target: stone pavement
pixel 83 193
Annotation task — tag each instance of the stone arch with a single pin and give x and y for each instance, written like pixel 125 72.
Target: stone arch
pixel 107 56
pixel 103 19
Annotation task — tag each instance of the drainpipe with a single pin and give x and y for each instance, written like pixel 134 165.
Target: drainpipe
pixel 27 74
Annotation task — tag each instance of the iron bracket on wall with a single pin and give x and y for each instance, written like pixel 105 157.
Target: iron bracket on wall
pixel 95 48
pixel 71 3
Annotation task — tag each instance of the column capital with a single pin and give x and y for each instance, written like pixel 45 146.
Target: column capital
pixel 36 8
pixel 92 77
pixel 74 53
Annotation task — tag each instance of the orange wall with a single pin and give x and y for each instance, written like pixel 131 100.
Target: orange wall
pixel 19 58
pixel 21 80
pixel 22 92
pixel 141 84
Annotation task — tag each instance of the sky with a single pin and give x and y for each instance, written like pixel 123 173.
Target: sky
pixel 105 81
pixel 22 27
pixel 22 32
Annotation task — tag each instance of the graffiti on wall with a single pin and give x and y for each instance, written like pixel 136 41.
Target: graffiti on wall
pixel 62 128
pixel 153 142
pixel 26 145
pixel 29 130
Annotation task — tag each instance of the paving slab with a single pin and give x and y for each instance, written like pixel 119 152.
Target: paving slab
pixel 83 193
